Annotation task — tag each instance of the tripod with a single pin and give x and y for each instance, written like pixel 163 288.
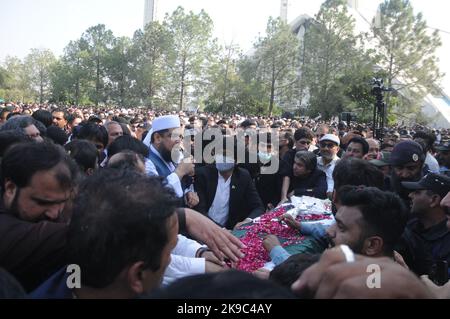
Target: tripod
pixel 379 109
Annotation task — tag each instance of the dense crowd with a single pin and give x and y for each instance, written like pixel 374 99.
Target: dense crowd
pixel 145 202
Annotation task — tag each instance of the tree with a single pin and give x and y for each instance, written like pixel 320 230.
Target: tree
pixel 191 50
pixel 38 66
pixel 276 57
pixel 406 50
pixel 118 69
pixel 150 56
pixel 98 42
pixel 331 52
pixel 224 82
pixel 70 77
pixel 16 86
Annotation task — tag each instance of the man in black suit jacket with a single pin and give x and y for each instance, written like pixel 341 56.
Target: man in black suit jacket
pixel 243 199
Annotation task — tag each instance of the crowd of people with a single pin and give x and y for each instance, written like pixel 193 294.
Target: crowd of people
pixel 144 203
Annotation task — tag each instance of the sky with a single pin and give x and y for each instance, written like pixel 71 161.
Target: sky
pixel 51 24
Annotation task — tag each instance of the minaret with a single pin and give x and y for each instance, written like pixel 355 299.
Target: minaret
pixel 283 10
pixel 149 11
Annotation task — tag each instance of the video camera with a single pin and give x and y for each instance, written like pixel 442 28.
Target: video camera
pixel 348 117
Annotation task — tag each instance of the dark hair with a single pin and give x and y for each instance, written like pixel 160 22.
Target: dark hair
pixel 83 152
pixel 384 213
pixel 127 142
pixel 362 141
pixel 43 116
pixel 65 114
pixel 125 129
pixel 288 136
pixel 11 137
pixel 161 132
pixel 119 217
pixel 23 160
pixel 247 123
pixel 57 135
pixel 22 122
pixel 355 171
pixel 223 285
pixel 303 132
pixel 93 132
pixel 428 137
pixel 309 159
pixel 128 160
pixel 291 269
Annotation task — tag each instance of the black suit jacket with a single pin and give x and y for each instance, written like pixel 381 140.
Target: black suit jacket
pixel 244 199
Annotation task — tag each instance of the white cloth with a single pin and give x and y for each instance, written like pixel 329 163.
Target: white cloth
pixel 328 170
pixel 181 266
pixel 183 262
pixel 186 247
pixel 432 163
pixel 220 205
pixel 173 180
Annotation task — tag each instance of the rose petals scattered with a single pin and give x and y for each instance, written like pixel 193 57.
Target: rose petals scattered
pixel 255 253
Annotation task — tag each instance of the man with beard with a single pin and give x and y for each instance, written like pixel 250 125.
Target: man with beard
pixel 37 181
pixel 368 220
pixel 407 161
pixel 426 240
pixel 329 147
pixel 162 139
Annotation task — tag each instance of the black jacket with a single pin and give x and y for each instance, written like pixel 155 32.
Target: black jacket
pixel 315 185
pixel 422 248
pixel 31 252
pixel 244 200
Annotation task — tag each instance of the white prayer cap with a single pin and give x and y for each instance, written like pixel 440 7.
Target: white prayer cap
pixel 331 138
pixel 162 123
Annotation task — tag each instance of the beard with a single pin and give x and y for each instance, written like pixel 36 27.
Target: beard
pixel 165 154
pixel 16 211
pixel 397 185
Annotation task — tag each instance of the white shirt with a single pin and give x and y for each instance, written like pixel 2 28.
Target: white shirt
pixel 220 205
pixel 328 170
pixel 432 163
pixel 173 180
pixel 183 262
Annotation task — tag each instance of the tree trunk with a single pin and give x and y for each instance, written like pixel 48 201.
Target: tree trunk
pixel 183 75
pixel 272 91
pixel 41 87
pixel 97 82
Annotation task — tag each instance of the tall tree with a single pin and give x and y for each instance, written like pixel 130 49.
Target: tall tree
pixel 71 75
pixel 276 57
pixel 118 67
pixel 192 48
pixel 38 66
pixel 99 41
pixel 406 51
pixel 330 53
pixel 150 55
pixel 224 81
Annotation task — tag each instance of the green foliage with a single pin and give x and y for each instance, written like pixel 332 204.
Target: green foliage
pixel 406 50
pixel 333 61
pixel 276 63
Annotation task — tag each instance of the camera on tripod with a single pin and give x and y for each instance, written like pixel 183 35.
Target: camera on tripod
pixel 379 110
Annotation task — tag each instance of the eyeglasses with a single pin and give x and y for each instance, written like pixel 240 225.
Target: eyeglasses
pixel 327 145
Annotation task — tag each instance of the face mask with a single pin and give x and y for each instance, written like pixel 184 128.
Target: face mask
pixel 264 157
pixel 224 164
